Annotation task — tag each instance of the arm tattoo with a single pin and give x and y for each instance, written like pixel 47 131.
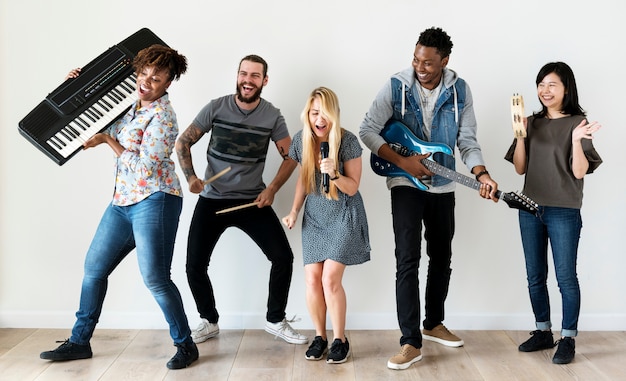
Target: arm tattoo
pixel 284 155
pixel 183 149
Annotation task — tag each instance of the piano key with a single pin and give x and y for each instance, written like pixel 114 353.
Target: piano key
pixel 54 143
pixel 95 110
pixel 92 113
pixel 71 135
pixel 82 121
pixel 128 87
pixel 87 115
pixel 102 112
pixel 116 97
pixel 77 126
pixel 106 104
pixel 94 119
pixel 74 132
pixel 120 93
pixel 65 135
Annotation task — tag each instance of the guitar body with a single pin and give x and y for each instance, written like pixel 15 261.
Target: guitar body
pixel 402 140
pixel 396 132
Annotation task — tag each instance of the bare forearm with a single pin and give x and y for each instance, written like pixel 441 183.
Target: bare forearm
pixel 284 172
pixel 519 156
pixel 183 150
pixel 580 165
pixel 298 199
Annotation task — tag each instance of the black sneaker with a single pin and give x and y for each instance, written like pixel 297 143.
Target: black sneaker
pixel 538 341
pixel 317 349
pixel 185 355
pixel 339 352
pixel 68 351
pixel 565 351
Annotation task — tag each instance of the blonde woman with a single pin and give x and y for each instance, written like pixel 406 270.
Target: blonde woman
pixel 334 224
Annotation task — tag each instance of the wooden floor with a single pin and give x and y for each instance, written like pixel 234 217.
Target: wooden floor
pixel 255 355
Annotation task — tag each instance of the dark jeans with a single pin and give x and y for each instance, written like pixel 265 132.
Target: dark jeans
pixel 263 226
pixel 561 226
pixel 410 208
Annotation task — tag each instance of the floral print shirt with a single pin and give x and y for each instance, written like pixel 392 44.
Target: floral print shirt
pixel 148 135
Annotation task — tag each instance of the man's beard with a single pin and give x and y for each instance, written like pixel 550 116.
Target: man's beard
pixel 251 99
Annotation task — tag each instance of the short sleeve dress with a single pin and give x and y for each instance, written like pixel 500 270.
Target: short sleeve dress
pixel 334 229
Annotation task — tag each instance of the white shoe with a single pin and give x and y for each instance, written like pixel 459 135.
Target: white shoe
pixel 283 330
pixel 204 331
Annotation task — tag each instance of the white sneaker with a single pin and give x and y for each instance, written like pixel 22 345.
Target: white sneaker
pixel 204 331
pixel 283 330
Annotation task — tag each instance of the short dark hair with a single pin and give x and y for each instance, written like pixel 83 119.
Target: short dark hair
pixel 257 59
pixel 161 57
pixel 438 39
pixel 565 73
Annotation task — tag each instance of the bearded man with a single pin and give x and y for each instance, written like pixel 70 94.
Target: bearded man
pixel 241 127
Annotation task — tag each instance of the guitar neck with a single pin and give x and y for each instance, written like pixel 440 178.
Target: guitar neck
pixel 439 169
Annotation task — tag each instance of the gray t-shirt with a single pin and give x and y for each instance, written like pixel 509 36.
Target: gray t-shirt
pixel 239 139
pixel 549 179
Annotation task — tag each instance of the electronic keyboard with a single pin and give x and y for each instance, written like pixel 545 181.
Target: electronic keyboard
pixel 83 106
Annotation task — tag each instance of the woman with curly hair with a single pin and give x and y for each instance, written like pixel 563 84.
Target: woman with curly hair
pixel 144 212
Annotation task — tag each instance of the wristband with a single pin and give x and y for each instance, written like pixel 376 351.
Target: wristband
pixel 483 172
pixel 336 176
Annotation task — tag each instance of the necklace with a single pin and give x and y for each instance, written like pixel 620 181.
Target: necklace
pixel 425 97
pixel 426 94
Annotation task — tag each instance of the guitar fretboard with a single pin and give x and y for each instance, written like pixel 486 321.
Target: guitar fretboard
pixel 439 169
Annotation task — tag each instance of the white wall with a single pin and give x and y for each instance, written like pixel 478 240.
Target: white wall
pixel 49 213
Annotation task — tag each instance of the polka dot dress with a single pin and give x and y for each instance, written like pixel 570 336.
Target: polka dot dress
pixel 334 229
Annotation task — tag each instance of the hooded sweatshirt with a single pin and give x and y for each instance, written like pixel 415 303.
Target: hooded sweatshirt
pixel 454 122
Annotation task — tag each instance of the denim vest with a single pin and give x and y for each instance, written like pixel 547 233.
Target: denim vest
pixel 445 126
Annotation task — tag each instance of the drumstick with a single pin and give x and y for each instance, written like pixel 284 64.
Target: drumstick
pixel 212 178
pixel 237 207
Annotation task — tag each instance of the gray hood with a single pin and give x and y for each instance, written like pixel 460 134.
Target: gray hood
pixel 407 77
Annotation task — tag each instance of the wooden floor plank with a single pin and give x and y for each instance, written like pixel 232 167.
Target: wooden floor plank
pixel 10 337
pixel 255 355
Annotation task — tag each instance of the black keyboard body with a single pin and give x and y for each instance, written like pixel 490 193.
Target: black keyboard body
pixel 83 106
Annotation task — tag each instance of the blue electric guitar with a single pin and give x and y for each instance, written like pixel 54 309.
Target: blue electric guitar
pixel 402 140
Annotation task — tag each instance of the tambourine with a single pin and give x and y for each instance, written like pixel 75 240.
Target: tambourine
pixel 517 116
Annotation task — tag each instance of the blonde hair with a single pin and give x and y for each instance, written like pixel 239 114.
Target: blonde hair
pixel 329 110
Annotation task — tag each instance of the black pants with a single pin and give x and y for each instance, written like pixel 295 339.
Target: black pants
pixel 263 226
pixel 410 208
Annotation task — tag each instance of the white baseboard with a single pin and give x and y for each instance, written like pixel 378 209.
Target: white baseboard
pixel 382 321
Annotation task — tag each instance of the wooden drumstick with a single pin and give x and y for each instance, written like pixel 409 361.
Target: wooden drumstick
pixel 517 116
pixel 212 178
pixel 237 207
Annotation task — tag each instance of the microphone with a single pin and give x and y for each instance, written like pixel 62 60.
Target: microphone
pixel 325 178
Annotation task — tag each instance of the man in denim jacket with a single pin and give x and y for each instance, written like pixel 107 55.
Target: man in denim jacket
pixel 436 105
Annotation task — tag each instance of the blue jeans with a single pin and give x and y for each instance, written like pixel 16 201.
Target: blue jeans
pixel 150 227
pixel 562 227
pixel 410 208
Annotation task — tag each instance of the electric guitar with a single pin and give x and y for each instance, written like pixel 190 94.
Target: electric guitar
pixel 402 140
